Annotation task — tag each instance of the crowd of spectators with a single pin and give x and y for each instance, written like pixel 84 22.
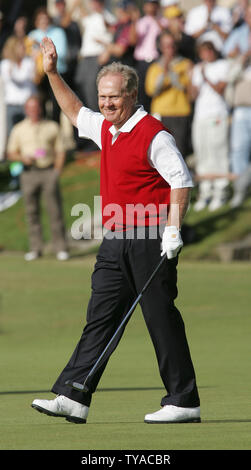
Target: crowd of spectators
pixel 194 72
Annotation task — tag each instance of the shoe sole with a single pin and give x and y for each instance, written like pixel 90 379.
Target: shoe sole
pixel 71 419
pixel 195 420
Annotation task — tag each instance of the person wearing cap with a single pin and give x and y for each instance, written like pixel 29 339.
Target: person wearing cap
pixel 144 33
pixel 210 128
pixel 186 44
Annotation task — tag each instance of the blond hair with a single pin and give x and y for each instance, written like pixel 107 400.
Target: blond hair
pixel 129 74
pixel 10 48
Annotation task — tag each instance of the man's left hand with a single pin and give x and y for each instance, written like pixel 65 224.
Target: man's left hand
pixel 171 242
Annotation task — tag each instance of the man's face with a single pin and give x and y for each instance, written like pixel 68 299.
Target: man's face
pixel 115 105
pixel 33 109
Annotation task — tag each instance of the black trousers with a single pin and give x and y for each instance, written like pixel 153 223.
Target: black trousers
pixel 122 268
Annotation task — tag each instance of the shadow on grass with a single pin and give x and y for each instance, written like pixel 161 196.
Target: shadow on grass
pixel 203 421
pixel 211 223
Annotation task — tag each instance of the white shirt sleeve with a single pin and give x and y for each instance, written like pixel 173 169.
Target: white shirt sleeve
pixel 165 157
pixel 89 125
pixel 196 19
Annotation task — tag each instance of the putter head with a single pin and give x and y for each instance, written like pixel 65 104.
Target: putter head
pixel 77 386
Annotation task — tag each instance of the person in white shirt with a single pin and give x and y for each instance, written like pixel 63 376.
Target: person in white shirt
pixel 18 74
pixel 210 126
pixel 209 17
pixel 140 164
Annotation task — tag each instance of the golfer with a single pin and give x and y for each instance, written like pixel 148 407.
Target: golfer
pixel 141 168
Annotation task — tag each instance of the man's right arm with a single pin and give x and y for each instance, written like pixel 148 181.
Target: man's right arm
pixel 69 103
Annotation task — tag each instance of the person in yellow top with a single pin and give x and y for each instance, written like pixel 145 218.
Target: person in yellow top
pixel 168 84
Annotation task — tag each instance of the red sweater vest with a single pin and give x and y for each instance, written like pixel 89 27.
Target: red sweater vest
pixel 133 193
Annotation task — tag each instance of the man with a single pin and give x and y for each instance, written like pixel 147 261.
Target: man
pixel 133 145
pixel 37 144
pixel 186 44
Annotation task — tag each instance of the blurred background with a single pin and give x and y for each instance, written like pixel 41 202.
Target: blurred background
pixel 202 50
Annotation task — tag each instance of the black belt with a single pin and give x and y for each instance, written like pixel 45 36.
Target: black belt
pixel 33 167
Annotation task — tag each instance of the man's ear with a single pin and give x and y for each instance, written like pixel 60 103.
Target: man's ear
pixel 134 96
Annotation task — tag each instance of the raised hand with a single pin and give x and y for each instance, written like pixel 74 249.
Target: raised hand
pixel 49 55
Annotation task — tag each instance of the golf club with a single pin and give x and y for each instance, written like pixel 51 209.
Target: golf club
pixel 83 387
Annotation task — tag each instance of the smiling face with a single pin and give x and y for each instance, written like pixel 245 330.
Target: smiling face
pixel 116 105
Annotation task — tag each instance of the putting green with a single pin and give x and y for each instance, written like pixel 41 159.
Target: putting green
pixel 42 313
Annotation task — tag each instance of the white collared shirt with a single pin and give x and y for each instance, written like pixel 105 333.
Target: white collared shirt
pixel 163 154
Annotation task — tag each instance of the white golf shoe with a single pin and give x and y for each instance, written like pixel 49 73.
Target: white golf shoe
pixel 62 407
pixel 32 255
pixel 62 256
pixel 174 414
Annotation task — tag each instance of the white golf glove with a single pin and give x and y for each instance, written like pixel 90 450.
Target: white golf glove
pixel 171 242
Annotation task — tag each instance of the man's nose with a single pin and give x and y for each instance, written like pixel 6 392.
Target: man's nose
pixel 108 101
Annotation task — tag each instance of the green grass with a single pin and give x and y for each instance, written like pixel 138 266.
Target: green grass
pixel 42 313
pixel 80 183
pixel 211 229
